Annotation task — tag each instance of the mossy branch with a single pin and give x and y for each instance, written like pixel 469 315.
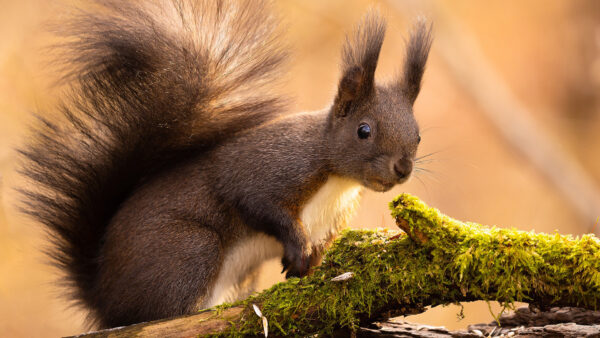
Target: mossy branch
pixel 442 261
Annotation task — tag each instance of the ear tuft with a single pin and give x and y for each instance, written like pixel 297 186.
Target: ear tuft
pixel 359 61
pixel 417 51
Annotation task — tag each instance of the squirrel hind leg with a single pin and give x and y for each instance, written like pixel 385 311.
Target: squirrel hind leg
pixel 160 271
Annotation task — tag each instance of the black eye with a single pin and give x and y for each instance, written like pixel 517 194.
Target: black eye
pixel 419 139
pixel 364 131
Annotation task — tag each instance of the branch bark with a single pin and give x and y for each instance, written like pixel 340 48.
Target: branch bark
pixel 441 261
pixel 558 322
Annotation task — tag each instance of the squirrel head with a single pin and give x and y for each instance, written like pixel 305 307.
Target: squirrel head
pixel 373 135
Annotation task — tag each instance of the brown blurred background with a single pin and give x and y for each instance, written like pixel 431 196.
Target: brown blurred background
pixel 546 53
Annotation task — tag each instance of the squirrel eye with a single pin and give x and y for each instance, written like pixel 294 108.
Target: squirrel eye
pixel 364 131
pixel 419 139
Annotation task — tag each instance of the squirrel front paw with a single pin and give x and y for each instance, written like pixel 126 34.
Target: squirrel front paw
pixel 296 261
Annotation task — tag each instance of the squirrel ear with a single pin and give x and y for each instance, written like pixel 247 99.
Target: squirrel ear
pixel 359 61
pixel 417 51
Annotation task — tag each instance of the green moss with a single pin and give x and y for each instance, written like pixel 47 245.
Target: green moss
pixel 459 262
pixel 506 264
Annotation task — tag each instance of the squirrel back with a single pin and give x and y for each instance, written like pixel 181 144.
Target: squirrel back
pixel 152 84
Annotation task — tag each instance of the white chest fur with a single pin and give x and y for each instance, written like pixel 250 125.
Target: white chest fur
pixel 323 215
pixel 330 208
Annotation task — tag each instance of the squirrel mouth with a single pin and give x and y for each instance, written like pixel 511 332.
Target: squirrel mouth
pixel 380 185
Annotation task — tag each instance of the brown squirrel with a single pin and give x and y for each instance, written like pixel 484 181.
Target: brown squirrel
pixel 179 171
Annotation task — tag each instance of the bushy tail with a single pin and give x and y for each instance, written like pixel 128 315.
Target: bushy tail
pixel 152 83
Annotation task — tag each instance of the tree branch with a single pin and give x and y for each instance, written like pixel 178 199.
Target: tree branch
pixel 442 261
pixel 558 322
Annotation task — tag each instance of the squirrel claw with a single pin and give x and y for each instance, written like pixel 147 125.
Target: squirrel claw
pixel 285 264
pixel 299 267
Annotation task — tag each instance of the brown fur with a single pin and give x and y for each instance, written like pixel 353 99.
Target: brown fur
pixel 167 161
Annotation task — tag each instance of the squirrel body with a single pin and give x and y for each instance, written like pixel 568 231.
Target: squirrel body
pixel 178 171
pixel 323 202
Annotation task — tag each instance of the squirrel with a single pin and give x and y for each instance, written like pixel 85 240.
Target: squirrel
pixel 177 170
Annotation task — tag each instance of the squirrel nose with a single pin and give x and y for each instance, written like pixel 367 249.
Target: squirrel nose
pixel 403 168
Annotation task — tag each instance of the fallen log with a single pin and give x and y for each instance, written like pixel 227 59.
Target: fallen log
pixel 369 275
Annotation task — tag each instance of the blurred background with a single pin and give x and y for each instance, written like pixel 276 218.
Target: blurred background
pixel 509 111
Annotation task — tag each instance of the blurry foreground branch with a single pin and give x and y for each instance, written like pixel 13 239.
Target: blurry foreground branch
pixel 524 322
pixel 381 274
